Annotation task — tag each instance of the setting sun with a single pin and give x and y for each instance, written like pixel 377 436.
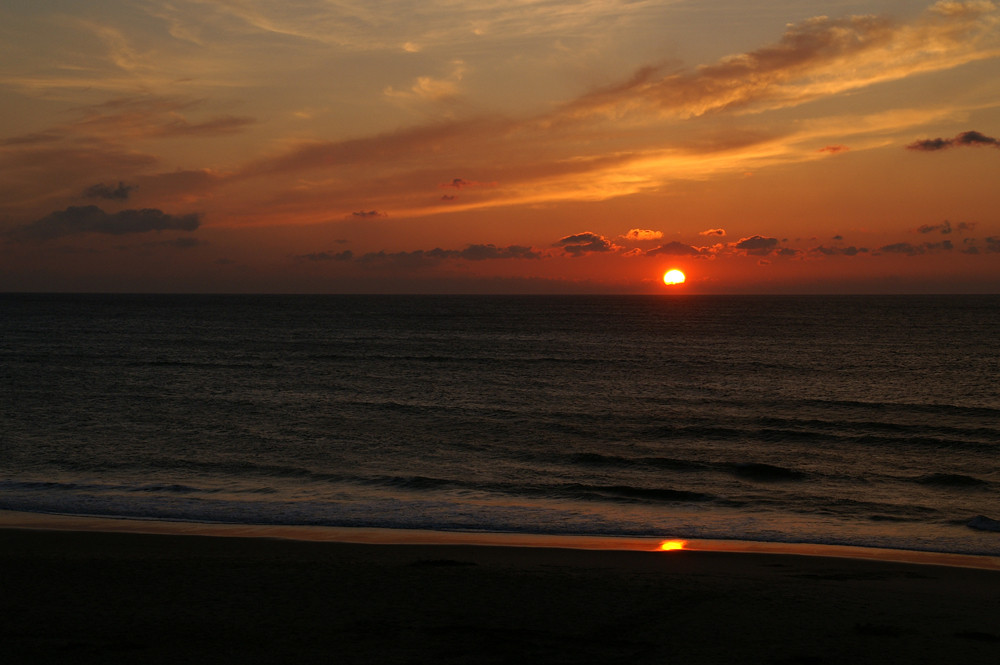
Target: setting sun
pixel 673 277
pixel 668 545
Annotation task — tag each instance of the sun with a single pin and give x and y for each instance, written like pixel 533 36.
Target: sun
pixel 673 277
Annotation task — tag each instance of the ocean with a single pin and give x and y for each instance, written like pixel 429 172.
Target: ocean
pixel 871 421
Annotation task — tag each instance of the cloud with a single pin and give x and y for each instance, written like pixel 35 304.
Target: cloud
pixel 91 219
pixel 817 57
pixel 484 252
pixel 757 245
pixel 553 156
pixel 102 191
pixel 368 213
pixel 587 242
pixel 842 251
pixel 643 234
pixel 944 228
pixel 834 149
pixel 421 258
pixel 346 255
pixel 970 138
pixel 915 250
pixel 177 243
pixel 674 248
pixel 427 88
pixel 459 183
pixel 713 232
pixel 183 243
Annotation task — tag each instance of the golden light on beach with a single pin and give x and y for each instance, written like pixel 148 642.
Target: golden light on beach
pixel 670 545
pixel 673 277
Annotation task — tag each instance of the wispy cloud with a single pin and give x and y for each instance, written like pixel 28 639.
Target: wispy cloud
pixel 815 58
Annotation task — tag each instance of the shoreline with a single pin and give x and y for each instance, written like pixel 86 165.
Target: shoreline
pixel 126 597
pixel 383 536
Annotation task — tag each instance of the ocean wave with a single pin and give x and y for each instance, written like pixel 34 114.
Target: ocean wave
pixel 617 461
pixel 983 523
pixel 951 480
pixel 628 493
pixel 766 472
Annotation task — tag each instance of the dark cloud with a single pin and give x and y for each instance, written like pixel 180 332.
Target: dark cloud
pixel 448 197
pixel 834 149
pixel 91 219
pixel 31 139
pixel 459 183
pixel 102 191
pixel 966 226
pixel 484 252
pixel 227 124
pixel 993 244
pixel 713 232
pixel 915 250
pixel 970 138
pixel 183 243
pixel 944 228
pixel 902 248
pixel 579 244
pixel 975 138
pixel 176 243
pixel 421 257
pixel 757 245
pixel 674 248
pixel 346 255
pixel 368 213
pixel 834 251
pixel 945 245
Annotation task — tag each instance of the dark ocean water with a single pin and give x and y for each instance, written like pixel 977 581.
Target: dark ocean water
pixel 860 420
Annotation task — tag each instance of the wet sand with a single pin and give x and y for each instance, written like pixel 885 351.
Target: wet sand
pixel 98 597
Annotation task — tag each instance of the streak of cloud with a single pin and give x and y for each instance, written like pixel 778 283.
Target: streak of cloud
pixel 818 57
pixel 423 258
pixel 76 220
pixel 910 249
pixel 674 248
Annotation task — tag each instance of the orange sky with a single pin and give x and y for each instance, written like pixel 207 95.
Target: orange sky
pixel 542 147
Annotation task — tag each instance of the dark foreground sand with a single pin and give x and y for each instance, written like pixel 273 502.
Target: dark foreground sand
pixel 80 597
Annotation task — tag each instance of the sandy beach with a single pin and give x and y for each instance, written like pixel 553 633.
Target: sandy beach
pixel 98 597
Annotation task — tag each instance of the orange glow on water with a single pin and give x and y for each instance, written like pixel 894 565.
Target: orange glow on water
pixel 668 545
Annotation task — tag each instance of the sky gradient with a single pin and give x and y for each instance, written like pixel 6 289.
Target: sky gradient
pixel 443 146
